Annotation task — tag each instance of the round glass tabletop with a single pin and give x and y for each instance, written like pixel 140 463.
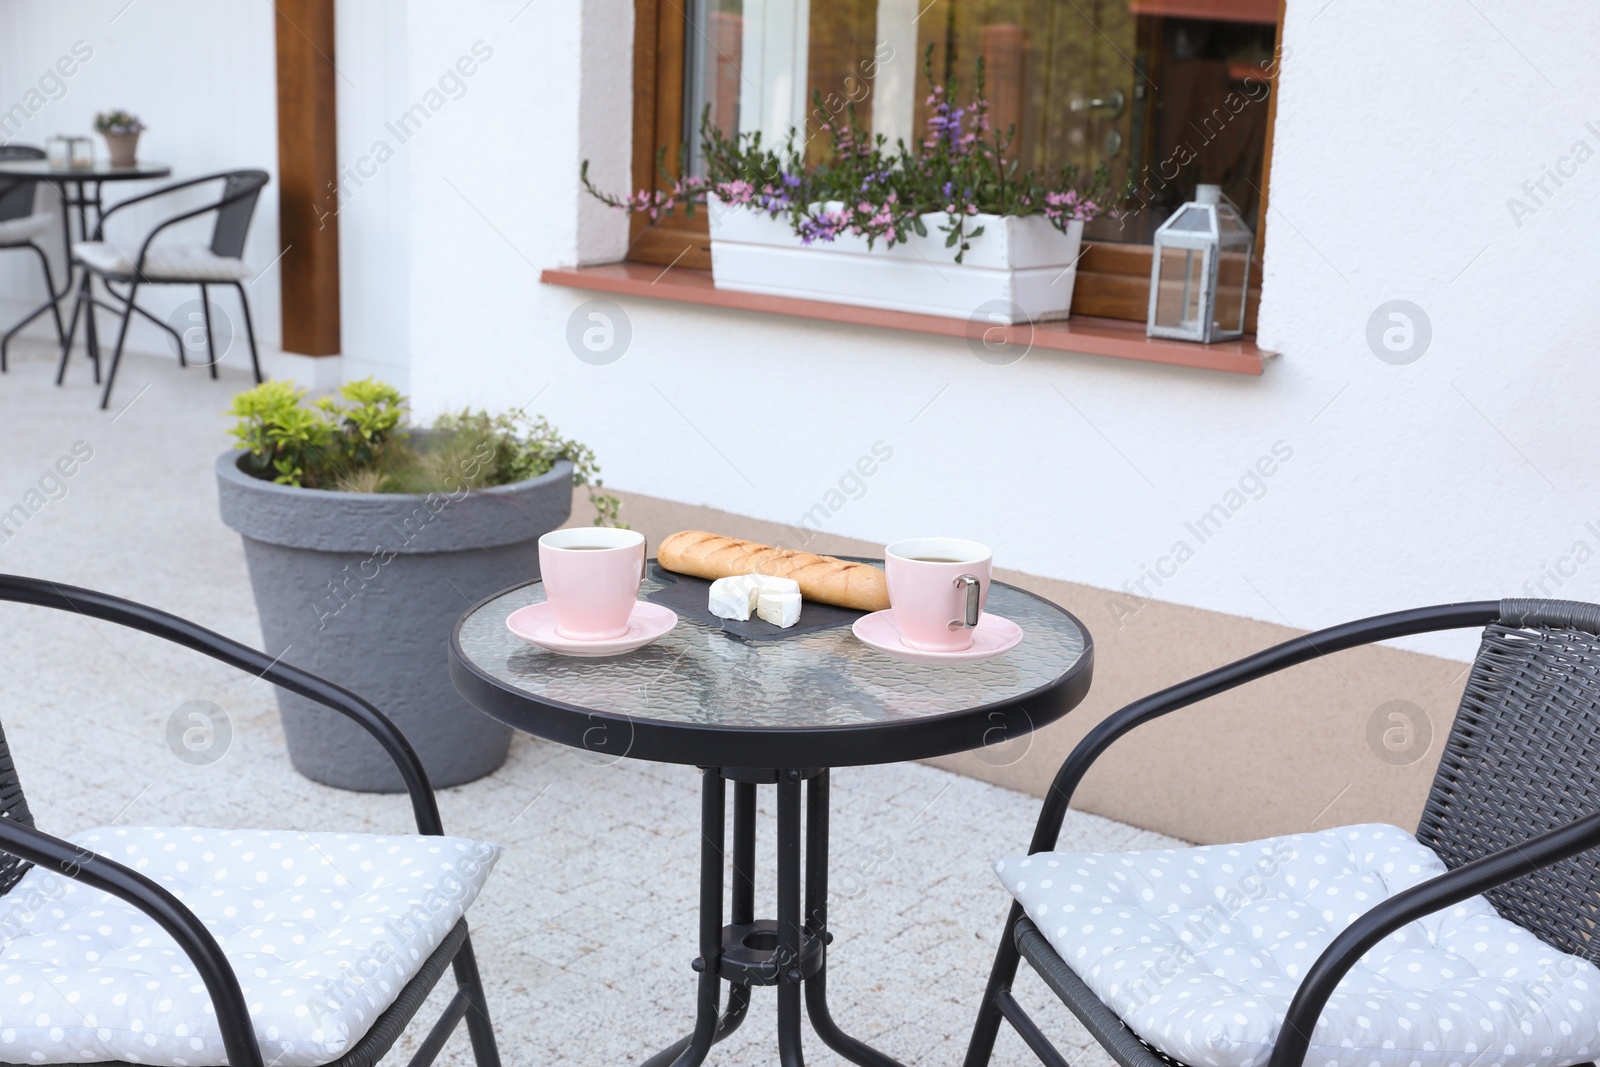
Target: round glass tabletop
pixel 820 699
pixel 99 171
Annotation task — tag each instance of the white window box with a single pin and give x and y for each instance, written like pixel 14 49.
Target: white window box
pixel 1021 268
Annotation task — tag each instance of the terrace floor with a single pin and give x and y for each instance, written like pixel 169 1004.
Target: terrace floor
pixel 586 930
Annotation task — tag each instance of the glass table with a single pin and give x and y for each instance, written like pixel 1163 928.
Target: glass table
pixel 779 713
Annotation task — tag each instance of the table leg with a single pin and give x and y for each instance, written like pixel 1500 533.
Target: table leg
pixel 789 929
pixel 789 953
pixel 691 1051
pixel 817 914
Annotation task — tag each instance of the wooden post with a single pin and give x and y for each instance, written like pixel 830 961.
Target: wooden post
pixel 308 177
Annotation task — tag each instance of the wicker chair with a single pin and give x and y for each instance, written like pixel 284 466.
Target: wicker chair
pixel 1513 805
pixel 220 262
pixel 20 228
pixel 24 846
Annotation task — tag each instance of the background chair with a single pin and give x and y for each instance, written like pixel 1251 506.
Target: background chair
pixel 170 263
pixel 280 926
pixel 20 227
pixel 1515 800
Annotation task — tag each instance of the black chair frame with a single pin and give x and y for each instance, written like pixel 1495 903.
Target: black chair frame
pixel 234 209
pixel 1495 832
pixel 16 201
pixel 19 838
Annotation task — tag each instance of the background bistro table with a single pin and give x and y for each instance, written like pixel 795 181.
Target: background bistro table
pixel 779 713
pixel 81 189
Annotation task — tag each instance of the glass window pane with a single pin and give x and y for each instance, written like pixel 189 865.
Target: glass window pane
pixel 840 67
pixel 712 44
pixel 1165 103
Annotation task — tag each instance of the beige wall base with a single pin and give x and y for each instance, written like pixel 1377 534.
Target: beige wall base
pixel 1283 755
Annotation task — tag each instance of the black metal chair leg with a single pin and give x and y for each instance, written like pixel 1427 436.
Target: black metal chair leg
pixel 116 355
pixel 984 1032
pixel 790 932
pixel 91 329
pixel 211 340
pixel 50 287
pixel 49 305
pixel 72 332
pixel 485 1051
pixel 249 332
pixel 177 338
pixel 817 919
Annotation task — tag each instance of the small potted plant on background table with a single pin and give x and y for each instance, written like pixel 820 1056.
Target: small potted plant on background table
pixel 121 129
pixel 365 541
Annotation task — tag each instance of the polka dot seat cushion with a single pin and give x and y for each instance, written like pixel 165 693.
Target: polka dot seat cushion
pixel 1201 950
pixel 323 931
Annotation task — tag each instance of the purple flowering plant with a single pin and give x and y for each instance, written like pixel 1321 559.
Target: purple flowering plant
pixel 866 188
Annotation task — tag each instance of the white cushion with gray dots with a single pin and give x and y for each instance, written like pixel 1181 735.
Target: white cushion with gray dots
pixel 323 931
pixel 1200 951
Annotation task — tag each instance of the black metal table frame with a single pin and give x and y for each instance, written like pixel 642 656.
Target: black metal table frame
pixel 82 199
pixel 791 951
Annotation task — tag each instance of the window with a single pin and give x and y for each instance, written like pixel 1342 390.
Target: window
pixel 1166 93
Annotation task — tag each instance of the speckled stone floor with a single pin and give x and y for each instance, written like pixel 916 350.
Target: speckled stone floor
pixel 587 928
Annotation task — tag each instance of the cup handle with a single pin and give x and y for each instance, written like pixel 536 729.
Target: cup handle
pixel 973 591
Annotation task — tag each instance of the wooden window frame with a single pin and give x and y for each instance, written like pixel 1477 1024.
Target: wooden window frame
pixel 1113 280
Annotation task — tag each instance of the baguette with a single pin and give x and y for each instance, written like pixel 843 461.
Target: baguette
pixel 822 578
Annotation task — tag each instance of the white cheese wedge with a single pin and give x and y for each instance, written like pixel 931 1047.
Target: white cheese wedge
pixel 780 609
pixel 733 598
pixel 768 584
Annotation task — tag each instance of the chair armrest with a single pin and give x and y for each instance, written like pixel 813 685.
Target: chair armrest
pixel 180 631
pixel 144 248
pixel 174 187
pixel 1288 654
pixel 1436 894
pixel 81 865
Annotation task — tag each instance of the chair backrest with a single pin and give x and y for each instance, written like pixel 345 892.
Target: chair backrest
pixel 233 220
pixel 16 194
pixel 1524 757
pixel 13 805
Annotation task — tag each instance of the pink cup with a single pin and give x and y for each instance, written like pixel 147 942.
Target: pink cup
pixel 938 587
pixel 591 579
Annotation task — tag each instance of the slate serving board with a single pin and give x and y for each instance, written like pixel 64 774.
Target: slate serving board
pixel 690 596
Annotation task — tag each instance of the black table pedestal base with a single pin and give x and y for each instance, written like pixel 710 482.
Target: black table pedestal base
pixel 789 952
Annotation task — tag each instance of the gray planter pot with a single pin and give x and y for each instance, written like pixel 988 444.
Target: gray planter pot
pixel 364 588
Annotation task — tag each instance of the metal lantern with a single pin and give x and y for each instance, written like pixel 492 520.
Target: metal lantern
pixel 1200 271
pixel 58 152
pixel 80 152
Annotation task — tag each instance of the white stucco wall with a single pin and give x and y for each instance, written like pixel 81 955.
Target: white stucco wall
pixel 1402 130
pixel 201 77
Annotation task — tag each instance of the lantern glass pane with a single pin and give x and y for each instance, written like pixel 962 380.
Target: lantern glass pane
pixel 1178 289
pixel 1192 218
pixel 1233 274
pixel 1232 233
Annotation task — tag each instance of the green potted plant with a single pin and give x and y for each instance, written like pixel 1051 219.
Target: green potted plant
pixel 365 540
pixel 949 226
pixel 121 129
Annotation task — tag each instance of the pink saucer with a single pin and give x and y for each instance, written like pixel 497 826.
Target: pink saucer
pixel 993 636
pixel 536 624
